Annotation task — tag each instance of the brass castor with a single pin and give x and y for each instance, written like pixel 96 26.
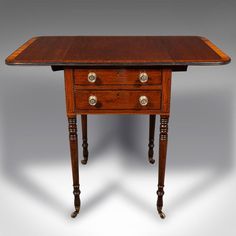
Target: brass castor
pixel 161 214
pixel 85 152
pixel 151 152
pixel 151 160
pixel 74 214
pixel 84 161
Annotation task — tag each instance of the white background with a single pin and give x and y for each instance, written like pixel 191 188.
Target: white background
pixel 118 185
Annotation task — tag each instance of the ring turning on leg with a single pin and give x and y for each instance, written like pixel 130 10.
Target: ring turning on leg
pixel 162 162
pixel 72 126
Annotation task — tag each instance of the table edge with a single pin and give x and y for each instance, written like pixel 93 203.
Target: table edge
pixel 224 58
pixel 218 51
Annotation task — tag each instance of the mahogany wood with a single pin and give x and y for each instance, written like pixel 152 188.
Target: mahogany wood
pixel 69 92
pixel 117 77
pixel 85 139
pixel 166 90
pixel 118 87
pixel 72 126
pixel 117 100
pixel 163 138
pixel 152 121
pixel 118 50
pixel 117 62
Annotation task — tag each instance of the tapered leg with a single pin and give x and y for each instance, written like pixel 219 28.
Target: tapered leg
pixel 152 121
pixel 85 139
pixel 72 126
pixel 162 162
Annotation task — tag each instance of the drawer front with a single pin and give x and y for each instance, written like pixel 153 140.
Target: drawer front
pixel 117 77
pixel 117 100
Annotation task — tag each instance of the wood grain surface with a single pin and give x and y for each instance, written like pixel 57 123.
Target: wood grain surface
pixel 118 50
pixel 118 100
pixel 118 76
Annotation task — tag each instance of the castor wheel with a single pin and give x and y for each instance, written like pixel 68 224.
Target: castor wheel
pixel 85 151
pixel 74 214
pixel 151 160
pixel 84 161
pixel 161 214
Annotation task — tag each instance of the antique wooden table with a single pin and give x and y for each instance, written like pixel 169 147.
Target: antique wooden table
pixel 118 75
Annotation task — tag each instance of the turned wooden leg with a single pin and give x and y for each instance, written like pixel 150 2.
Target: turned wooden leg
pixel 85 139
pixel 152 121
pixel 72 126
pixel 162 162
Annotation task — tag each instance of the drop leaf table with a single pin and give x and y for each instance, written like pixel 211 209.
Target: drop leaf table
pixel 118 75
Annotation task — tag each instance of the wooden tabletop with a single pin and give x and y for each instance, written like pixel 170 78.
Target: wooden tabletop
pixel 118 50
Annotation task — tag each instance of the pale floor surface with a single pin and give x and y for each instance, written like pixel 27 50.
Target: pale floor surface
pixel 116 200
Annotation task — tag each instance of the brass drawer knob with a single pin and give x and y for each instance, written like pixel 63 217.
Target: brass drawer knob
pixel 143 77
pixel 143 100
pixel 92 77
pixel 92 100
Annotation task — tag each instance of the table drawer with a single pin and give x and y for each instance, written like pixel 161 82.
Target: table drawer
pixel 117 77
pixel 117 100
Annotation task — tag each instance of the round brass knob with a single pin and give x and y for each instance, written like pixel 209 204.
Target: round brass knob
pixel 143 77
pixel 92 100
pixel 92 77
pixel 143 100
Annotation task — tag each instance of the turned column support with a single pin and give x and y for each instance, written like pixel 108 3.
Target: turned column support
pixel 163 139
pixel 72 127
pixel 84 139
pixel 152 121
